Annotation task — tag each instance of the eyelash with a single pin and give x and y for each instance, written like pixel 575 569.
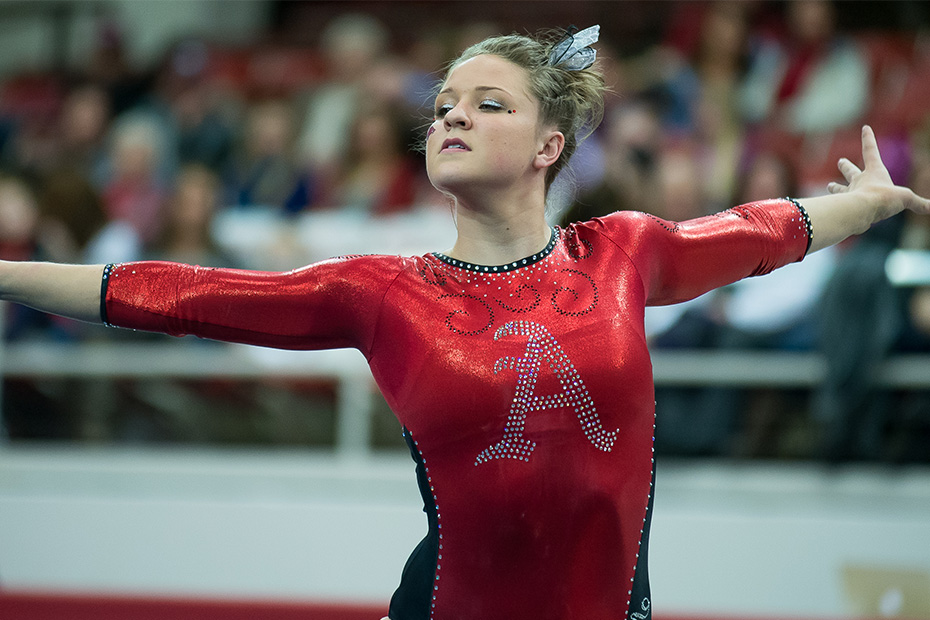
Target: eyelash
pixel 442 110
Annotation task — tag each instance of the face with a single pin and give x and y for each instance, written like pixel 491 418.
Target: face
pixel 768 176
pixel 486 133
pixel 195 200
pixel 811 20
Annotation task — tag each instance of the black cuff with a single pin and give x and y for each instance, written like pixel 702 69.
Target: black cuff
pixel 807 223
pixel 104 283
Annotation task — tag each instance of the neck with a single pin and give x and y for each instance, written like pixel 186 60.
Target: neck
pixel 500 231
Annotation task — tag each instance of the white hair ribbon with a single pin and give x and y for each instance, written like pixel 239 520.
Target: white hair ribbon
pixel 573 52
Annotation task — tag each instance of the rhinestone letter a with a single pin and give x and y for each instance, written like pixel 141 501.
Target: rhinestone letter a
pixel 542 347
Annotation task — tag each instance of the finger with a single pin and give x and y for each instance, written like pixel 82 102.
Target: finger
pixel 848 169
pixel 836 188
pixel 870 156
pixel 920 205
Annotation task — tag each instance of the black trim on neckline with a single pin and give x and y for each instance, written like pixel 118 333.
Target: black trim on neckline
pixel 517 264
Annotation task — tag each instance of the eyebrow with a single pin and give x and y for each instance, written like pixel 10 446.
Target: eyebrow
pixel 479 89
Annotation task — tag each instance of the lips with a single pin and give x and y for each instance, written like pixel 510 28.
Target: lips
pixel 453 145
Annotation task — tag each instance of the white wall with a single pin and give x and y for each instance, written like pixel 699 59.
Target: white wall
pixel 740 541
pixel 791 540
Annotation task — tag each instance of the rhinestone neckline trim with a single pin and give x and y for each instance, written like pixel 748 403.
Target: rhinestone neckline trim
pixel 523 262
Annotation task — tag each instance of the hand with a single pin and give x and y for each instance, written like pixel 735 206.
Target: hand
pixel 874 180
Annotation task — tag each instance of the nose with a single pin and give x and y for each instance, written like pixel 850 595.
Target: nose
pixel 457 117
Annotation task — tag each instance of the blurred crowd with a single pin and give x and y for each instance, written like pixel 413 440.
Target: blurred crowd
pixel 732 102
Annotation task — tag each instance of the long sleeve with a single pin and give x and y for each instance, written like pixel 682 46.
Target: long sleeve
pixel 680 261
pixel 331 304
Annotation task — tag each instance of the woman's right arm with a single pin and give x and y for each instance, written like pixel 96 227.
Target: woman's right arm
pixel 71 291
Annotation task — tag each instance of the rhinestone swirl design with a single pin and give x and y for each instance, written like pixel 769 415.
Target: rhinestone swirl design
pixel 451 317
pixel 580 250
pixel 574 293
pixel 676 227
pixel 523 293
pixel 433 277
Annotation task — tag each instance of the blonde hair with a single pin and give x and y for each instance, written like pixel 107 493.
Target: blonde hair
pixel 572 101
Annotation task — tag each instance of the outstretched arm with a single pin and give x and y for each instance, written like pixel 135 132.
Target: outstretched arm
pixel 72 291
pixel 868 197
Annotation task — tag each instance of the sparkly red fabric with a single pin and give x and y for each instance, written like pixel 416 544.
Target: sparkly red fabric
pixel 526 393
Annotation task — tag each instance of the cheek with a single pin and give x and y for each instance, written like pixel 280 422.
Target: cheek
pixel 504 159
pixel 512 149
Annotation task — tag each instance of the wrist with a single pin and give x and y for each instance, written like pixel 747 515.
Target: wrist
pixel 884 202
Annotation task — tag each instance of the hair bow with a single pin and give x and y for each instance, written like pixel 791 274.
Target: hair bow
pixel 573 52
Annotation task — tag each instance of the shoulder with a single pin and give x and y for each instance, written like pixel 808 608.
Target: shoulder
pixel 350 262
pixel 364 268
pixel 619 225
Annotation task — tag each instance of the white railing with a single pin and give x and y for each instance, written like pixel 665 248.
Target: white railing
pixel 355 387
pixel 202 360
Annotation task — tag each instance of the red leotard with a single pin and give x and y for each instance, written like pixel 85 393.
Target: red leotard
pixel 525 390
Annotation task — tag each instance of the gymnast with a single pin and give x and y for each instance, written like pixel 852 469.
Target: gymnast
pixel 515 360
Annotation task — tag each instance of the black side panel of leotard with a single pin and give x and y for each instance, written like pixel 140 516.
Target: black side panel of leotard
pixel 641 597
pixel 413 598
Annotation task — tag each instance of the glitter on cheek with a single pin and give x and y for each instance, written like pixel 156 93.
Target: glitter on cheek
pixel 430 131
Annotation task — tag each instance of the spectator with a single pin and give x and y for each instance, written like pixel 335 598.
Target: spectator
pixel 720 65
pixel 190 104
pixel 19 216
pixel 776 312
pixel 816 80
pixel 909 428
pixel 851 408
pixel 110 68
pixel 134 192
pixel 380 177
pixel 351 44
pixel 267 173
pixel 74 224
pixel 680 188
pixel 19 224
pixel 84 120
pixel 187 234
pixel 631 154
pixel 706 74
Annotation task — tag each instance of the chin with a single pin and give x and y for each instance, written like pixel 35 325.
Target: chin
pixel 463 181
pixel 450 184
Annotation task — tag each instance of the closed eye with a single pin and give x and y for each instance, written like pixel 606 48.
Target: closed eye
pixel 486 104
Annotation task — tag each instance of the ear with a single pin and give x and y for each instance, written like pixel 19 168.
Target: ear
pixel 550 147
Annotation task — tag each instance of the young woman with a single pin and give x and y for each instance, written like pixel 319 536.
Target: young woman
pixel 516 360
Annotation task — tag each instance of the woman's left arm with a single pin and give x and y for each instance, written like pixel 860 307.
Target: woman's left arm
pixel 869 197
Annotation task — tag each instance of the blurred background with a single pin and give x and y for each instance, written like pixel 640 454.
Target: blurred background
pixel 793 409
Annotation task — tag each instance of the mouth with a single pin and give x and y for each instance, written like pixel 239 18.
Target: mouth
pixel 452 145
